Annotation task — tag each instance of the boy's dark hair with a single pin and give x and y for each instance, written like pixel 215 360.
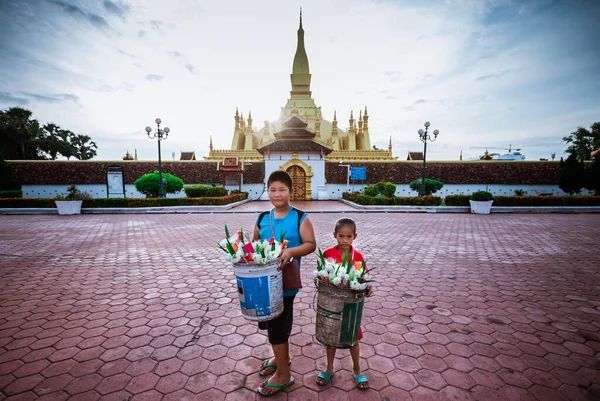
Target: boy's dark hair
pixel 345 221
pixel 280 176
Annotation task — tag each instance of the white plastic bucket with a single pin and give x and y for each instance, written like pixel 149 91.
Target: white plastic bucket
pixel 260 288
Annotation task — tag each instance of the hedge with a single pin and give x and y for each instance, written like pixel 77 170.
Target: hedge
pixel 463 200
pixel 13 193
pixel 396 200
pixel 457 200
pixel 546 201
pixel 202 191
pixel 127 202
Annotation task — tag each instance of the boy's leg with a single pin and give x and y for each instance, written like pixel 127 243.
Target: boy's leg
pixel 355 353
pixel 330 359
pixel 279 330
pixel 329 368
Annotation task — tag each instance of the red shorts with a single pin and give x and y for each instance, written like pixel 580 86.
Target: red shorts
pixel 360 334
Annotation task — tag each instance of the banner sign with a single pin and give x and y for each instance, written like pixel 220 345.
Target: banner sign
pixel 358 173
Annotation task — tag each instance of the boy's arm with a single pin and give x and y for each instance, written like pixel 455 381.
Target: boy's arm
pixel 256 235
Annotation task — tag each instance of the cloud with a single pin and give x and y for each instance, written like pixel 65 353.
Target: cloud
pixel 190 68
pixel 141 33
pixel 9 99
pixel 489 76
pixel 57 98
pixel 175 53
pixel 420 101
pixel 123 52
pixel 119 9
pixel 76 12
pixel 156 25
pixel 154 78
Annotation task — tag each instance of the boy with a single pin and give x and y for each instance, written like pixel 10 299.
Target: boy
pixel 283 218
pixel 345 234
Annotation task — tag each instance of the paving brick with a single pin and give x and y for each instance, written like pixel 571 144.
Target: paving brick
pixel 432 331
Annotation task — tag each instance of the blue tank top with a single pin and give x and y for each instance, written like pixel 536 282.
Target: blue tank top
pixel 288 225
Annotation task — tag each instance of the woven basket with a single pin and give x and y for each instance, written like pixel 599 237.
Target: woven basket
pixel 339 312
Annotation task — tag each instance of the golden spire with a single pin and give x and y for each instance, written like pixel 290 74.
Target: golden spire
pixel 460 158
pixel 211 145
pixel 390 145
pixel 351 121
pixel 360 122
pixel 300 69
pixel 135 157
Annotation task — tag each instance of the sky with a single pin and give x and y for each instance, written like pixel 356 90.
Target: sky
pixel 485 73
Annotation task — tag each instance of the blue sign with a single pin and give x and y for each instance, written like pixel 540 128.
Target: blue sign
pixel 358 173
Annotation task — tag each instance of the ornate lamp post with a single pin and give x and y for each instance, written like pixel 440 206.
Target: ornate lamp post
pixel 424 136
pixel 161 134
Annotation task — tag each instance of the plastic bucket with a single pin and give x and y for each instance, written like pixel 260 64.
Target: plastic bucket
pixel 260 288
pixel 339 312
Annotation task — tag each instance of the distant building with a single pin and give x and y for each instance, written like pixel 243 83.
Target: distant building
pixel 128 156
pixel 187 156
pixel 415 156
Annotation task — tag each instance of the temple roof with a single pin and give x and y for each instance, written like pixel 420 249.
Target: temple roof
pixel 415 156
pixel 294 145
pixel 188 155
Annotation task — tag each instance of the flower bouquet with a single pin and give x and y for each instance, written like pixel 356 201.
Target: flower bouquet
pixel 239 249
pixel 341 291
pixel 348 274
pixel 258 277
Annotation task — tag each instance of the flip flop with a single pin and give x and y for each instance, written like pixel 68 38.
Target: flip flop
pixel 279 387
pixel 267 365
pixel 325 376
pixel 359 380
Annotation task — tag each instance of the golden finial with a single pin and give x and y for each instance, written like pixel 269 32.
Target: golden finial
pixel 460 158
pixel 365 111
pixel 335 115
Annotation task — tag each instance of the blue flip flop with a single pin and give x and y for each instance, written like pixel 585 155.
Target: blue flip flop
pixel 325 376
pixel 361 379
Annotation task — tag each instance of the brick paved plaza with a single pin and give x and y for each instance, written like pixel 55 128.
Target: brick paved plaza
pixel 143 307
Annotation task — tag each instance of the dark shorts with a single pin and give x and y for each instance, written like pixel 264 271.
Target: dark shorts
pixel 280 328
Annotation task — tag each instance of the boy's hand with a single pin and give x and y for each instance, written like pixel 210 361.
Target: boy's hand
pixel 369 291
pixel 284 257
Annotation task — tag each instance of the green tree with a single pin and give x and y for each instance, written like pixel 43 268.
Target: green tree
pixel 571 175
pixel 8 179
pixel 54 141
pixel 592 177
pixel 583 142
pixel 85 148
pixel 19 135
pixel 431 186
pixel 148 184
pixel 22 138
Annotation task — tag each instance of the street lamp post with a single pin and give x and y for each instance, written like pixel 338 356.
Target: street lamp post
pixel 348 167
pixel 161 134
pixel 424 136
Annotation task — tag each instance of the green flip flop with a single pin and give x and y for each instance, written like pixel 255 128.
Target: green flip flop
pixel 360 379
pixel 267 365
pixel 325 376
pixel 279 387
